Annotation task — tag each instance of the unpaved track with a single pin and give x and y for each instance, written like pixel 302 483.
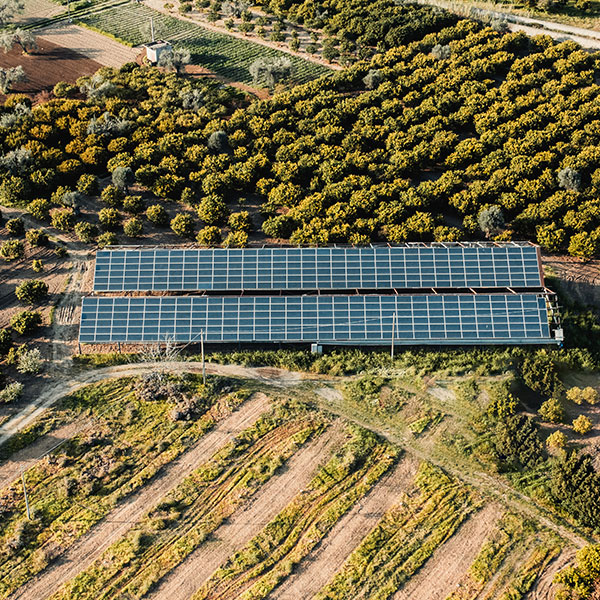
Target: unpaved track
pixel 73 382
pixel 28 456
pixel 244 524
pixel 445 568
pixel 90 547
pixel 317 569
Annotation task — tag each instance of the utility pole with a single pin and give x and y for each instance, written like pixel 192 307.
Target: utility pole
pixel 203 363
pixel 25 494
pixel 393 336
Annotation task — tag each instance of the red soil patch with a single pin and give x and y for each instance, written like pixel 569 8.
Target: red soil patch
pixel 49 65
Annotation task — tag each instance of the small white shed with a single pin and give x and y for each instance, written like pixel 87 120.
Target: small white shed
pixel 155 49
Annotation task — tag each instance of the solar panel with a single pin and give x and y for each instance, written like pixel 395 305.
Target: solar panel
pixel 333 319
pixel 274 269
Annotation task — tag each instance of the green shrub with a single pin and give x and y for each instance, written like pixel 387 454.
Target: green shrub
pixel 158 215
pixel 12 249
pixel 107 239
pixel 133 227
pixel 36 237
pixel 26 322
pixel 86 232
pixel 32 291
pixel 39 209
pixel 88 184
pixel 183 225
pixel 209 236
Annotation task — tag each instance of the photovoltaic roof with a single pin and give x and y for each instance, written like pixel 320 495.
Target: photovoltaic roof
pixel 335 268
pixel 334 319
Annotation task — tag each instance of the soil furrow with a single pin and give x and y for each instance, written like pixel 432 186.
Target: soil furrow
pixel 329 556
pixel 91 546
pixel 275 495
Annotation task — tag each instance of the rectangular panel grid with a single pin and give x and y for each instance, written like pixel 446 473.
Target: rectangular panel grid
pixel 367 319
pixel 253 269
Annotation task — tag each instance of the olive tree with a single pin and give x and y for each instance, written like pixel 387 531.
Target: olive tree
pixel 270 71
pixel 175 60
pixel 490 220
pixel 10 76
pixel 20 37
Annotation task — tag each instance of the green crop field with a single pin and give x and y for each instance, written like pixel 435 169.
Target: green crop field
pixel 227 56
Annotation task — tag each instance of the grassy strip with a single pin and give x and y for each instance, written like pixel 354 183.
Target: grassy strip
pixel 404 539
pixel 541 556
pixel 185 517
pixel 130 442
pixel 270 557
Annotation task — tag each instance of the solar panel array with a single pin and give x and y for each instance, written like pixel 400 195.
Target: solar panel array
pixel 279 269
pixel 359 319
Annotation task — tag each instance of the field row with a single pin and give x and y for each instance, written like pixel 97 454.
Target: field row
pixel 227 56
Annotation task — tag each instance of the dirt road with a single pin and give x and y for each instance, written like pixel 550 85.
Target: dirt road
pixel 91 546
pixel 316 570
pixel 71 383
pixel 587 38
pixel 188 577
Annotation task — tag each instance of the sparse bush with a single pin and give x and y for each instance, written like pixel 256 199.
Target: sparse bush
pixel 113 196
pixel 11 392
pixel 108 238
pixel 183 225
pixel 39 209
pixel 30 362
pixel 62 219
pixel 552 410
pixel 240 221
pixel 236 239
pixel 37 265
pixel 133 227
pixel 158 215
pixel 36 237
pixel 133 204
pixel 88 184
pixel 209 236
pixel 109 218
pixel 86 232
pixel 557 439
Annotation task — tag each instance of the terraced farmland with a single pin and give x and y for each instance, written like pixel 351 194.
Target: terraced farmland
pixel 226 56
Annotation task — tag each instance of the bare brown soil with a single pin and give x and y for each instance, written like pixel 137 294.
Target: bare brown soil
pixel 91 546
pixel 189 576
pixel 49 65
pixel 326 560
pixel 443 572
